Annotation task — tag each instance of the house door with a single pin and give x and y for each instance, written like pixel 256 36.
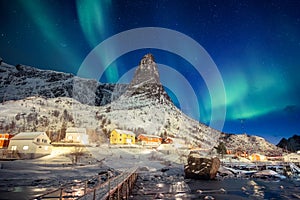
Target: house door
pixel 128 141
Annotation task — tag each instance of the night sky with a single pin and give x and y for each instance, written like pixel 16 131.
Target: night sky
pixel 254 46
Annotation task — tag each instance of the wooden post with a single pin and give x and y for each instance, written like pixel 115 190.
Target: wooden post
pixel 60 195
pixel 119 192
pixel 94 194
pixel 126 184
pixel 85 186
pixel 108 187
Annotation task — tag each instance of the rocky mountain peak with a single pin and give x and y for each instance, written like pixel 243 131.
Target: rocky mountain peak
pixel 146 82
pixel 291 144
pixel 146 73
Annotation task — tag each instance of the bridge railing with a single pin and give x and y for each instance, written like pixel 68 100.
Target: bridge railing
pixel 118 186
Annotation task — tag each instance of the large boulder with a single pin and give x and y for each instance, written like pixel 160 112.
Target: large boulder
pixel 200 167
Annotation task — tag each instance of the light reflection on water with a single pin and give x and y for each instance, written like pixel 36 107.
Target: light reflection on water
pixel 21 192
pixel 230 189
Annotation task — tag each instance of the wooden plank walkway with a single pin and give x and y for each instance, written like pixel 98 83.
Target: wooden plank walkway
pixel 118 187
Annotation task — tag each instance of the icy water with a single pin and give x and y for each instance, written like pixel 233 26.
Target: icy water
pixel 229 188
pixel 180 189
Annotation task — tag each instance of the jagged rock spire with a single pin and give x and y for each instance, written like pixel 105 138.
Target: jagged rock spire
pixel 146 73
pixel 146 81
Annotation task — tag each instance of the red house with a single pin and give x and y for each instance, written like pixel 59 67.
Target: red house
pixel 146 139
pixel 4 140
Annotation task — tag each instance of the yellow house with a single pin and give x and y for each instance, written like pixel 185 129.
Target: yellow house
pixel 118 136
pixel 257 157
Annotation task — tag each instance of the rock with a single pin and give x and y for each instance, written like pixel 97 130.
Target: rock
pixel 200 167
pixel 209 198
pixel 164 169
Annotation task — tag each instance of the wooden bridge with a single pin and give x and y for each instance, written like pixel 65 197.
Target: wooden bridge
pixel 118 187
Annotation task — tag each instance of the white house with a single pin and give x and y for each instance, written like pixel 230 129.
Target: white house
pixel 292 157
pixel 77 135
pixel 30 144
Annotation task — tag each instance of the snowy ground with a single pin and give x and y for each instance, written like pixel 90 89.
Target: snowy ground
pixel 23 179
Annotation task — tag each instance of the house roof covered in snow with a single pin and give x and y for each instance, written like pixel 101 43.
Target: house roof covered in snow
pixel 149 136
pixel 75 130
pixel 27 135
pixel 124 132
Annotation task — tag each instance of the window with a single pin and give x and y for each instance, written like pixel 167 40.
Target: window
pixel 45 141
pixel 25 147
pixel 13 148
pixel 38 140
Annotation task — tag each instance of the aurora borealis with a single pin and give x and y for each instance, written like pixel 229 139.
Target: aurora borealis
pixel 254 44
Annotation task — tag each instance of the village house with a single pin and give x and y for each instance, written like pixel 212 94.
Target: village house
pixel 292 157
pixel 4 140
pixel 146 139
pixel 257 157
pixel 118 136
pixel 30 145
pixel 77 135
pixel 167 140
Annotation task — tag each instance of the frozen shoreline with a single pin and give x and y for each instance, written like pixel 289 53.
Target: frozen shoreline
pixel 29 178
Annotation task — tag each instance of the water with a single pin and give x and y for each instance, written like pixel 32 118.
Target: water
pixel 21 192
pixel 246 189
pixel 225 189
pixel 172 187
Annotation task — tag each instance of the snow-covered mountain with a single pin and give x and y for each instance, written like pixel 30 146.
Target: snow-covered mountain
pixel 146 106
pixel 34 99
pixel 43 100
pixel 249 143
pixel 19 82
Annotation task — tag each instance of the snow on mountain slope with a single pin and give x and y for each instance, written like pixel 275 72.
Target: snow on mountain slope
pixel 41 114
pixel 19 82
pixel 250 144
pixel 39 100
pixel 146 105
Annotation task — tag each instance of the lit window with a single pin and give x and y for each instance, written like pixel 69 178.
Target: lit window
pixel 13 148
pixel 25 148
